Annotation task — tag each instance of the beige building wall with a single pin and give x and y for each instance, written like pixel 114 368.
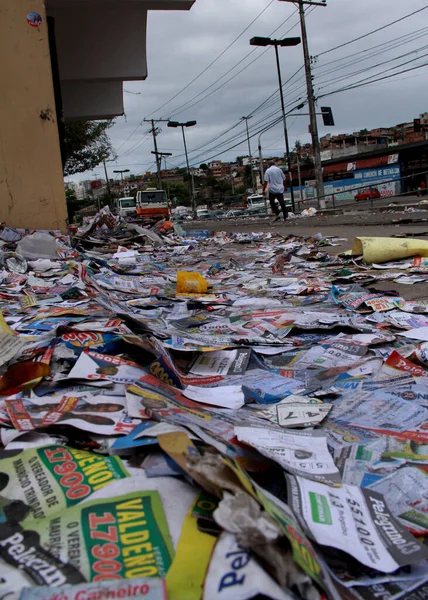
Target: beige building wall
pixel 31 182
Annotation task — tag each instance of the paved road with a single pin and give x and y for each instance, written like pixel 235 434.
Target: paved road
pixel 376 202
pixel 395 221
pixel 348 231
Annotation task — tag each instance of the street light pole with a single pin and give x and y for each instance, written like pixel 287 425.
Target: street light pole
pixel 319 180
pixel 191 181
pixel 293 41
pixel 284 120
pixel 249 149
pixel 187 160
pixel 259 145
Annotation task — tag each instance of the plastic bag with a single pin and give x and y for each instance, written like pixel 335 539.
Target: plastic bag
pixel 38 245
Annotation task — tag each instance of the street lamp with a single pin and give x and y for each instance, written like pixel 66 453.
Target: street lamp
pixel 121 175
pixel 176 124
pixel 292 41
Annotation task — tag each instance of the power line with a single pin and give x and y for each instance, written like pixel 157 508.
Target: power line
pixel 271 99
pixel 235 145
pixel 361 37
pixel 261 125
pixel 212 62
pixel 186 104
pixel 260 122
pixel 200 74
pixel 356 85
pixel 138 144
pixel 275 92
pixel 364 83
pixel 268 103
pixel 129 136
pixel 238 123
pixel 407 37
pixel 376 75
pixel 265 104
pixel 394 43
pixel 371 67
pixel 278 120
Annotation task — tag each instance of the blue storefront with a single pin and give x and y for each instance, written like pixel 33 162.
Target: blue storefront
pixel 385 179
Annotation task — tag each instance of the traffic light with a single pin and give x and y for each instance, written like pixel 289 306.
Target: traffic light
pixel 416 125
pixel 327 116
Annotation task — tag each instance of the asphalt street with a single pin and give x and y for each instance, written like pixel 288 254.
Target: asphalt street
pixel 344 226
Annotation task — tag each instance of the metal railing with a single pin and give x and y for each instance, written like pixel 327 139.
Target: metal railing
pixel 315 201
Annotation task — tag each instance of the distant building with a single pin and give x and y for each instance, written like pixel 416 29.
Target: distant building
pixel 217 168
pixel 246 161
pixel 81 189
pixel 172 176
pixel 198 172
pixel 381 138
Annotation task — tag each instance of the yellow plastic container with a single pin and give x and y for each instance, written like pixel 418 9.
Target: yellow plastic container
pixel 191 282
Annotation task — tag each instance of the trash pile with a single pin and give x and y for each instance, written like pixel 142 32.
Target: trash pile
pixel 210 416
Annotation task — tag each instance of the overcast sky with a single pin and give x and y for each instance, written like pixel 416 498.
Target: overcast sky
pixel 182 44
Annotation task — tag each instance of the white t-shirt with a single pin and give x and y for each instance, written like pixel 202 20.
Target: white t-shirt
pixel 275 178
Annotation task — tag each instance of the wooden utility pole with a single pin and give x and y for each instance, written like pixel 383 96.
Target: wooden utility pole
pixel 107 180
pixel 154 131
pixel 249 151
pixel 319 182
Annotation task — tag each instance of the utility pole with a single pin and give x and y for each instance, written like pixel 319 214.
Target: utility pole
pixel 231 180
pixel 292 41
pixel 300 182
pixel 249 150
pixel 159 156
pixel 155 132
pixel 167 189
pixel 107 180
pixel 319 182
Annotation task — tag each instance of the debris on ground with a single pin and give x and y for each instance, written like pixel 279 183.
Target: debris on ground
pixel 201 416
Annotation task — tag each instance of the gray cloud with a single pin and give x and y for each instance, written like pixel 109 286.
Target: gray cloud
pixel 181 44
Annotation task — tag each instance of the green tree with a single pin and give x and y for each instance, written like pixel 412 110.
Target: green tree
pixel 73 204
pixel 240 189
pixel 181 192
pixel 204 167
pixel 247 176
pixel 297 147
pixel 70 196
pixel 87 144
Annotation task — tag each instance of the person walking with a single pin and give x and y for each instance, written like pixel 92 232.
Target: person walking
pixel 274 177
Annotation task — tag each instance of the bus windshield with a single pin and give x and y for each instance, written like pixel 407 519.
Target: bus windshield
pixel 155 197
